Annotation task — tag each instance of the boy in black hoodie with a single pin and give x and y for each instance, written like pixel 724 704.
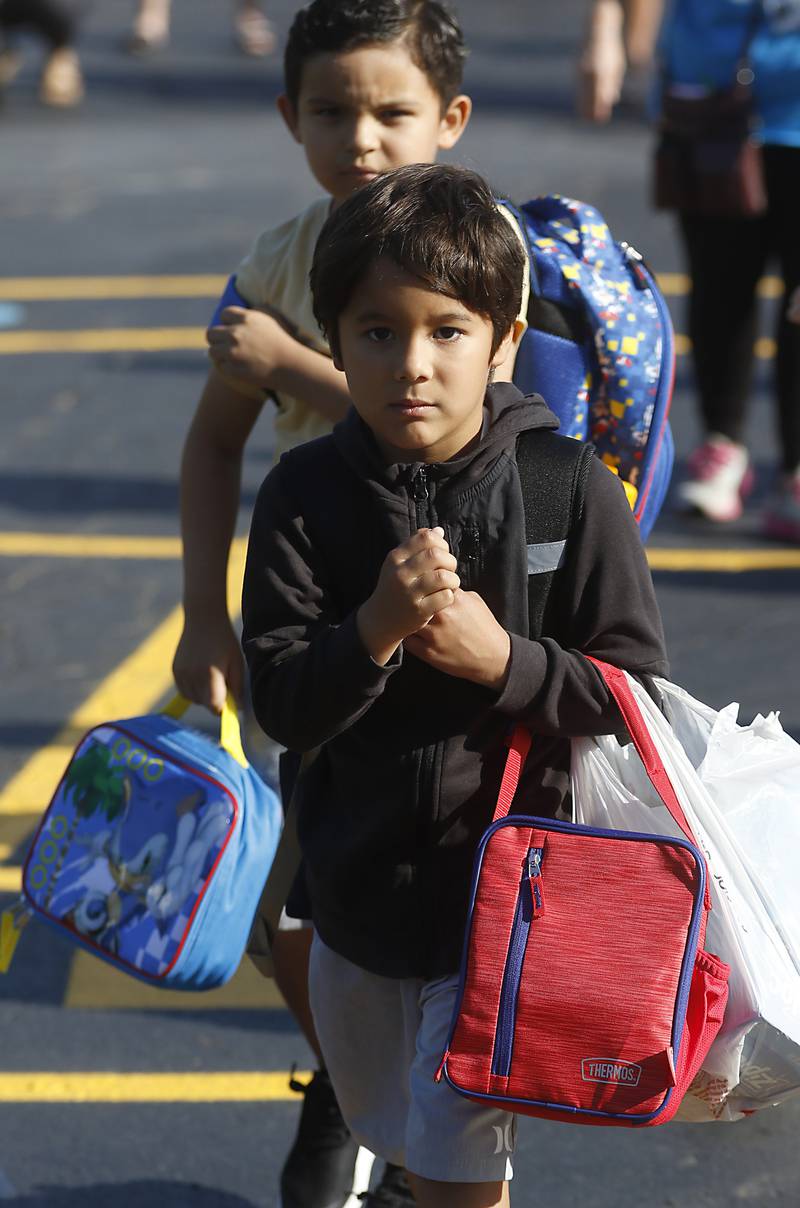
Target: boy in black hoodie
pixel 386 619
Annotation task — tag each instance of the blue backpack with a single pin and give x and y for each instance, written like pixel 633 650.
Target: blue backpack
pixel 599 346
pixel 154 850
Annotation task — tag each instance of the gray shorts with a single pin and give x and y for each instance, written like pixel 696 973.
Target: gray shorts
pixel 382 1039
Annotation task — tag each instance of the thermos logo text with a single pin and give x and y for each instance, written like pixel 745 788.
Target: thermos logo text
pixel 603 1069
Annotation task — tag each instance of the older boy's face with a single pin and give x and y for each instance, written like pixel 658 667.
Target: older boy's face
pixel 417 364
pixel 366 112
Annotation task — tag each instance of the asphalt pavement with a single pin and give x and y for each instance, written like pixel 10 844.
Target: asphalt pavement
pixel 118 222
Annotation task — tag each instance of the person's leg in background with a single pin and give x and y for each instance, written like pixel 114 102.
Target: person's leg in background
pixel 251 30
pixel 150 29
pixel 726 258
pixel 782 167
pixel 61 81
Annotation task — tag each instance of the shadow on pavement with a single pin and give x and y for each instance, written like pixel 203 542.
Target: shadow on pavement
pixel 172 82
pixel 36 733
pixel 70 493
pixel 141 1194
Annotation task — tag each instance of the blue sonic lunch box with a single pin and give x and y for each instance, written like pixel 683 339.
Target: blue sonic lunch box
pixel 155 848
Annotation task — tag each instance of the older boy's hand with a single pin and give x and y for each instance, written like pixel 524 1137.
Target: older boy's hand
pixel 465 640
pixel 793 312
pixel 209 662
pixel 249 345
pixel 416 582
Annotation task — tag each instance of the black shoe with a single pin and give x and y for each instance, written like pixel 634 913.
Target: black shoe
pixel 393 1190
pixel 318 1172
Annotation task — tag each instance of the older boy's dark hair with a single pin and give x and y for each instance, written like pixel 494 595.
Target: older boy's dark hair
pixel 436 221
pixel 433 34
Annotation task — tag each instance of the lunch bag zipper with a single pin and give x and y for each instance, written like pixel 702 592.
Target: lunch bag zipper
pixel 530 906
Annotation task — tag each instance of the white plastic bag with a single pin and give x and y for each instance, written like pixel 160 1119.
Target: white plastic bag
pixel 739 787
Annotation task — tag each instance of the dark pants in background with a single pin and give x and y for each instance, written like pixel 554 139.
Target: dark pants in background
pixel 726 258
pixel 42 16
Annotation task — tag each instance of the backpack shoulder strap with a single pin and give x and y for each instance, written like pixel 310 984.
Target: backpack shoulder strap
pixel 552 471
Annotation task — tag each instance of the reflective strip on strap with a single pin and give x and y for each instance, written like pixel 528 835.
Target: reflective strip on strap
pixel 546 557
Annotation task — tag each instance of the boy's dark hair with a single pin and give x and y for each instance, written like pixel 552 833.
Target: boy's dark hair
pixel 434 37
pixel 436 221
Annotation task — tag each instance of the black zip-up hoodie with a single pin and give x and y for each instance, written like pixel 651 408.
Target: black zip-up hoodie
pixel 392 810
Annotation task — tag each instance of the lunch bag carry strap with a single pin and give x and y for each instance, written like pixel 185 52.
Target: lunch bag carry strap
pixel 617 684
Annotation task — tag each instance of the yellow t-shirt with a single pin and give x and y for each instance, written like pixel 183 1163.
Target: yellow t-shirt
pixel 275 273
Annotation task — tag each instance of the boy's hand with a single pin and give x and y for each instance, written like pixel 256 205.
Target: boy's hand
pixel 416 582
pixel 209 663
pixel 249 345
pixel 793 313
pixel 465 640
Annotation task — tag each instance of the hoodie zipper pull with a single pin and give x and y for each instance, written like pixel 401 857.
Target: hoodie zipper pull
pixel 421 485
pixel 419 490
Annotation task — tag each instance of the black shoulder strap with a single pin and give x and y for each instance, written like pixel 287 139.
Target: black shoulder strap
pixel 552 472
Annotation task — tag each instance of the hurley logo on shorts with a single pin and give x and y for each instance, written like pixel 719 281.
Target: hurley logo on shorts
pixel 605 1069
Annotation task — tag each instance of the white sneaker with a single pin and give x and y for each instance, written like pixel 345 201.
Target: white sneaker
pixel 718 479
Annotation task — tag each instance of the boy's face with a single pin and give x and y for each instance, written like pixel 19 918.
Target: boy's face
pixel 367 111
pixel 417 364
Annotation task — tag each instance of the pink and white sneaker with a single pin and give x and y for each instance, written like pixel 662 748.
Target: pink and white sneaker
pixel 718 479
pixel 782 515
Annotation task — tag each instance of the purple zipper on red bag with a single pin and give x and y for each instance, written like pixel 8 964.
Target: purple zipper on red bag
pixel 530 905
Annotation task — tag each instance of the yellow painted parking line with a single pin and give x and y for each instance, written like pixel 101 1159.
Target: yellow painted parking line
pixel 135 686
pixel 729 561
pixel 103 339
pixel 75 289
pixel 108 1087
pixel 94 545
pixel 764 347
pixel 210 285
pixel 97 986
pixel 676 285
pixel 14 832
pixel 182 339
pixel 10 878
pixel 87 545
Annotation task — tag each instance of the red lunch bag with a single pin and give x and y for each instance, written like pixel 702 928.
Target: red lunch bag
pixel 585 993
